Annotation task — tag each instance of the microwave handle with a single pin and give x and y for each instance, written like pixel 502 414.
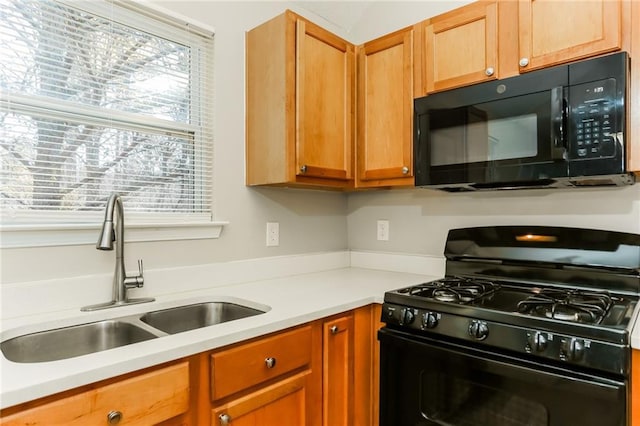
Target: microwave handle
pixel 558 124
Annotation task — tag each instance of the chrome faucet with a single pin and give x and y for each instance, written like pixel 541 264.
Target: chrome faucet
pixel 121 282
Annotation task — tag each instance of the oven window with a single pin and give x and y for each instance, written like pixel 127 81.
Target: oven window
pixel 467 403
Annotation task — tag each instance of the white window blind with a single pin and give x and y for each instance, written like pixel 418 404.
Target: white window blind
pixel 102 97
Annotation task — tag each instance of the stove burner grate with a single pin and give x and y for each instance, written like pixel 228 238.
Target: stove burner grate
pixel 568 305
pixel 455 289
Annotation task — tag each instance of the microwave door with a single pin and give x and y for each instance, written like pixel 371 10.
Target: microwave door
pixel 507 140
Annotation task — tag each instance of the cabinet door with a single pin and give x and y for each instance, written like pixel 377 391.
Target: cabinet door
pixel 385 111
pixel 366 364
pixel 635 387
pixel 337 371
pixel 281 404
pixel 553 32
pixel 324 102
pixel 461 47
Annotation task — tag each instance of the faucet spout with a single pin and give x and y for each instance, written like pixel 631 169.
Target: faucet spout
pixel 121 282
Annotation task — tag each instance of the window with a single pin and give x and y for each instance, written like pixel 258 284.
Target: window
pixel 102 97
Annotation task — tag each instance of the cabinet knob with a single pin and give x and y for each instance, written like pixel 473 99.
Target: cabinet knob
pixel 225 419
pixel 270 362
pixel 334 329
pixel 114 417
pixel 489 71
pixel 523 62
pixel 303 169
pixel 405 170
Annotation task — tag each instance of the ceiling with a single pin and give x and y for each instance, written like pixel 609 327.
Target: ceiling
pixel 342 14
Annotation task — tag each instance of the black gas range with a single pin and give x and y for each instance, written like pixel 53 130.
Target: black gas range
pixel 527 319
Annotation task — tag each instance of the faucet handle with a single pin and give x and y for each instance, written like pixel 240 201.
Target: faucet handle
pixel 138 280
pixel 140 268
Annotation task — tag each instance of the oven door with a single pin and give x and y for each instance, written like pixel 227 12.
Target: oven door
pixel 427 382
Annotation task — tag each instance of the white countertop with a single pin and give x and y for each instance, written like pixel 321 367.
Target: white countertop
pixel 292 301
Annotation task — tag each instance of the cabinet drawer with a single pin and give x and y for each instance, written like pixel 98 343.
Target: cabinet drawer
pixel 146 399
pixel 247 365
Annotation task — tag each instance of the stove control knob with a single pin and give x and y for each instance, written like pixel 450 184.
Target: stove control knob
pixel 429 320
pixel 537 341
pixel 479 330
pixel 576 349
pixel 571 349
pixel 407 315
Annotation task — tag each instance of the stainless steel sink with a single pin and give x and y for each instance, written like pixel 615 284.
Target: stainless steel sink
pixel 73 341
pixel 82 339
pixel 190 317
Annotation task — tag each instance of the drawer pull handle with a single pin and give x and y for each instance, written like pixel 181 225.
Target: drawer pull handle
pixel 225 419
pixel 270 362
pixel 114 417
pixel 334 329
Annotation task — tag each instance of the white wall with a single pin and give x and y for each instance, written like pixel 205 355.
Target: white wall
pixel 383 17
pixel 312 221
pixel 419 218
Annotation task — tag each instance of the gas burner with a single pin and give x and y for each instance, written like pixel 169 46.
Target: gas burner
pixel 567 305
pixel 455 289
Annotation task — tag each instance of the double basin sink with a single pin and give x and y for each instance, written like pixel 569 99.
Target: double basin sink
pixel 82 339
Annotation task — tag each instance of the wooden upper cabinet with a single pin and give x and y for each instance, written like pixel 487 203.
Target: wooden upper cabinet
pixel 299 105
pixel 461 47
pixel 324 96
pixel 633 152
pixel 552 32
pixel 385 111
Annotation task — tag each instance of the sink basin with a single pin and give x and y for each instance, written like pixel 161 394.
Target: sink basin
pixel 189 317
pixel 72 341
pixel 82 339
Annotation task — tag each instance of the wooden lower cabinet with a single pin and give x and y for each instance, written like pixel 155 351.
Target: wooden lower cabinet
pixel 366 355
pixel 158 396
pixel 283 403
pixel 320 373
pixel 337 371
pixel 327 375
pixel 635 388
pixel 272 380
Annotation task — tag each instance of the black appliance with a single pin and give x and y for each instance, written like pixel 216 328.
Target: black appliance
pixel 558 127
pixel 529 326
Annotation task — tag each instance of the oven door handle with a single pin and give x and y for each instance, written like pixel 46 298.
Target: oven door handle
pixel 559 115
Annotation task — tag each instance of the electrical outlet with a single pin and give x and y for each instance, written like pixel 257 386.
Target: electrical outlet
pixel 273 234
pixel 383 230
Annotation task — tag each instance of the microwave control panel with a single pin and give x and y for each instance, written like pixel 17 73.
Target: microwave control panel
pixel 593 130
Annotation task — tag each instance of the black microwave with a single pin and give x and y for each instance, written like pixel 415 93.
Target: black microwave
pixel 557 127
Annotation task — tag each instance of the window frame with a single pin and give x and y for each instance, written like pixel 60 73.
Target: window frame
pixel 35 229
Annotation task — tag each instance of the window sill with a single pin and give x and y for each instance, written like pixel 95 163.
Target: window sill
pixel 20 236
